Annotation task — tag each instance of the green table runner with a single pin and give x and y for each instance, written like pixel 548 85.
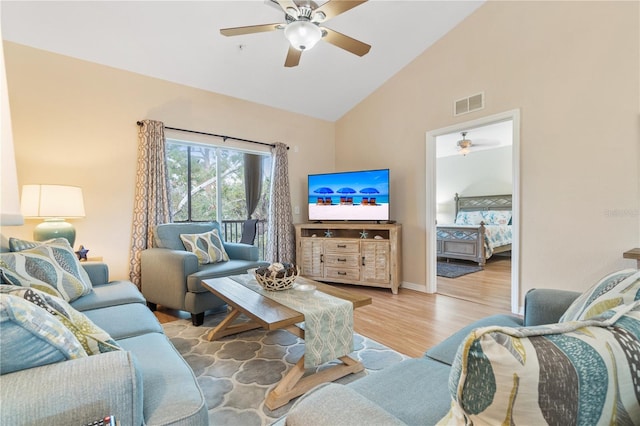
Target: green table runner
pixel 328 320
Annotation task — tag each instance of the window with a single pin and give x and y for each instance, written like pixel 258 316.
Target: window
pixel 215 183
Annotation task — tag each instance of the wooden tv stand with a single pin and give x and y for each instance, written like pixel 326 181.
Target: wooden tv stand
pixel 352 253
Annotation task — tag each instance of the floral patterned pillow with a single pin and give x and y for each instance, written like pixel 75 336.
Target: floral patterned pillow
pixel 32 337
pixel 497 217
pixel 469 218
pixel 93 339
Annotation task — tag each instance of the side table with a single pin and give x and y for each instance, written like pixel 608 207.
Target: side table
pixel 633 254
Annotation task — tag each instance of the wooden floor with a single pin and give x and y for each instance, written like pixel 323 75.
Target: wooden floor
pixel 491 286
pixel 409 322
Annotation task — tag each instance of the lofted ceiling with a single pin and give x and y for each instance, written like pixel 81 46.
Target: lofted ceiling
pixel 180 41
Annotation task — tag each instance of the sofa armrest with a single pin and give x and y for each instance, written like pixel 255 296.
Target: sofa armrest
pixel 74 392
pixel 98 272
pixel 164 275
pixel 335 404
pixel 242 251
pixel 546 306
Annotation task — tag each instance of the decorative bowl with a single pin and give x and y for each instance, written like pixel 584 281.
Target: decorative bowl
pixel 277 276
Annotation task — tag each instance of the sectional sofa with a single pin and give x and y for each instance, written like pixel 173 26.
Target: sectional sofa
pixel 572 359
pixel 136 375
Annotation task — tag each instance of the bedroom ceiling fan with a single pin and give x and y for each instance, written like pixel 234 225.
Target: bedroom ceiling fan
pixel 302 27
pixel 464 144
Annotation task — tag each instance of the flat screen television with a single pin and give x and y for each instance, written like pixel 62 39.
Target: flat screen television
pixel 358 195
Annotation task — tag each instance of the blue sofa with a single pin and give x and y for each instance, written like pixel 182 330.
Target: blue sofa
pixel 463 379
pixel 172 276
pixel 146 383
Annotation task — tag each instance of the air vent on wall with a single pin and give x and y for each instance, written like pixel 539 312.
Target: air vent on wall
pixel 469 104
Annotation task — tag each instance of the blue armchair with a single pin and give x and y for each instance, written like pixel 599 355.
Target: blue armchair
pixel 172 277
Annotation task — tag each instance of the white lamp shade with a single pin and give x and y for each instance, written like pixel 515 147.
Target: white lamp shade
pixel 47 201
pixel 303 35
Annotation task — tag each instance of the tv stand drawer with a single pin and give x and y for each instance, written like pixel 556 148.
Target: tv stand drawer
pixel 342 260
pixel 342 273
pixel 341 246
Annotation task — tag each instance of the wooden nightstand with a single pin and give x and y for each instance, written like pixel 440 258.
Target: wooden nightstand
pixel 633 254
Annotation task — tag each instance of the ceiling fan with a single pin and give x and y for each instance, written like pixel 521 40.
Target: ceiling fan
pixel 464 144
pixel 303 27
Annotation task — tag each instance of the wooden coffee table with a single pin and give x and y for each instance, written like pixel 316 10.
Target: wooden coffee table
pixel 271 315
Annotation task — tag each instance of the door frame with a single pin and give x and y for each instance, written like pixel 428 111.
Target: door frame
pixel 430 226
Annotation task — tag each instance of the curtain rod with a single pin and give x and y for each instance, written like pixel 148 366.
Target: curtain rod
pixel 223 137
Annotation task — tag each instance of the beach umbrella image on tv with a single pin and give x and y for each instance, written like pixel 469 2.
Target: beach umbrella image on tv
pixel 323 190
pixel 369 191
pixel 346 190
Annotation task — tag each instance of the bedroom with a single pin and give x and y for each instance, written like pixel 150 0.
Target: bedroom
pixel 476 162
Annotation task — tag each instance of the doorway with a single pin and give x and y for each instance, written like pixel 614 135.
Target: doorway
pixel 467 177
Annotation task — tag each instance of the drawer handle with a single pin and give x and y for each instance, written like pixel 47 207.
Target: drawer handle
pixel 342 246
pixel 322 258
pixel 342 273
pixel 363 261
pixel 341 260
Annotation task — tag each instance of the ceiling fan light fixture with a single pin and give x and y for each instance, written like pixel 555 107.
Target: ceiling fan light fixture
pixel 302 35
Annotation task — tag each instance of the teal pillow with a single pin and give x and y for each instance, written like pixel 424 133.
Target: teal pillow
pixel 93 339
pixel 52 264
pixel 32 337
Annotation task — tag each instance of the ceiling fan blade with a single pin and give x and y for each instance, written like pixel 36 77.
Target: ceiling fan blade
pixel 345 42
pixel 249 30
pixel 293 57
pixel 333 8
pixel 289 4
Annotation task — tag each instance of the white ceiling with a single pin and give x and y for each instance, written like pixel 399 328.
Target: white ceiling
pixel 179 41
pixel 491 136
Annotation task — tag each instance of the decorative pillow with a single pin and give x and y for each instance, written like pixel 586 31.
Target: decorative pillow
pixel 52 264
pixel 93 339
pixel 497 217
pixel 207 247
pixel 16 244
pixel 32 337
pixel 615 289
pixel 469 218
pixel 567 373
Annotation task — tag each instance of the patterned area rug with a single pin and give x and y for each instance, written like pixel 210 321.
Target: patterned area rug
pixel 236 372
pixel 455 270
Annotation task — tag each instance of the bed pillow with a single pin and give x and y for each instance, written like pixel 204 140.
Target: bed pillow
pixel 469 218
pixel 619 288
pixel 93 339
pixel 565 373
pixel 32 337
pixel 497 217
pixel 207 246
pixel 50 264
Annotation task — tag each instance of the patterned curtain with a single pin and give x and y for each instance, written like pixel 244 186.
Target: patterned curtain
pixel 151 205
pixel 281 237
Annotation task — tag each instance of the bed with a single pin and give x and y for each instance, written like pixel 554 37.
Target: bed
pixel 482 228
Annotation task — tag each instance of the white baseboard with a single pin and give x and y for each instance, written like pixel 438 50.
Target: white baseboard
pixel 413 286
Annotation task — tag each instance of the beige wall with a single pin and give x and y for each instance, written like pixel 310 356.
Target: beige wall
pixel 572 68
pixel 74 122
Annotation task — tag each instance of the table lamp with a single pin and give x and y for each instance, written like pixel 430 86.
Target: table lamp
pixel 54 203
